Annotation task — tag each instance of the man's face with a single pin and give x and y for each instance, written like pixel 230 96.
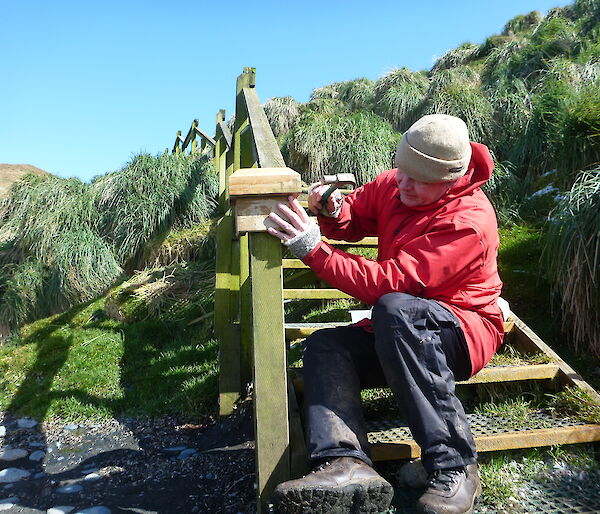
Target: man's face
pixel 414 193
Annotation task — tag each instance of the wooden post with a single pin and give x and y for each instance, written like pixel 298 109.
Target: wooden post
pixel 269 366
pixel 177 148
pixel 226 287
pixel 255 191
pixel 227 326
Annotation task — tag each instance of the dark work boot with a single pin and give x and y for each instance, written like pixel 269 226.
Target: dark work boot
pixel 342 485
pixel 451 491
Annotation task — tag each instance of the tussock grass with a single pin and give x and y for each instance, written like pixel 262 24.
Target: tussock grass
pixel 578 130
pixel 511 102
pixel 22 293
pixel 457 92
pixel 149 196
pixel 572 253
pixel 282 114
pixel 182 291
pixel 196 243
pixel 358 94
pixel 523 23
pixel 328 92
pixel 399 96
pixel 506 192
pixel 74 239
pixel 456 57
pixel 362 143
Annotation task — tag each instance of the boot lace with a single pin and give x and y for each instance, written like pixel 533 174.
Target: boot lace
pixel 321 466
pixel 443 479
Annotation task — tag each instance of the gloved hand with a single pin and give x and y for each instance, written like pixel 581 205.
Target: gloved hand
pixel 300 234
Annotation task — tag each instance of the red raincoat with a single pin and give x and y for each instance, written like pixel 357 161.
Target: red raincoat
pixel 445 251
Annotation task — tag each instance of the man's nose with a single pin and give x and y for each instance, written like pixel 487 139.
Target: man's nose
pixel 404 182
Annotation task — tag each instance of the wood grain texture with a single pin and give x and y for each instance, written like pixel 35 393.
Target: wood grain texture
pixel 264 181
pixel 270 377
pixel 269 155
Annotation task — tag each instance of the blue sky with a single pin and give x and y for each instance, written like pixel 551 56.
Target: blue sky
pixel 86 85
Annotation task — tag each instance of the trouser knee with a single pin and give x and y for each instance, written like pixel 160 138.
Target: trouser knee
pixel 392 313
pixel 318 345
pixel 391 308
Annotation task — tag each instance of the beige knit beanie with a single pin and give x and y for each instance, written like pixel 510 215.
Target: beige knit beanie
pixel 435 149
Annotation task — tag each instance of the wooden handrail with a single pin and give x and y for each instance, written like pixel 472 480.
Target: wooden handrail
pixel 267 149
pixel 181 144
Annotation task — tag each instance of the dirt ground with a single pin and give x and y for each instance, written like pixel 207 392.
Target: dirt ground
pixel 126 465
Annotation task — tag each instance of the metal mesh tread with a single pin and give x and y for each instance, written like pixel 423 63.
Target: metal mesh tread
pixel 391 439
pixel 556 495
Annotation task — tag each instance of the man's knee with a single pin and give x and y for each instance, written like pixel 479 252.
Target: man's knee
pixel 391 308
pixel 320 343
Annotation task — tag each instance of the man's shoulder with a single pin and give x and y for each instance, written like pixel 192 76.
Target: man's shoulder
pixel 474 209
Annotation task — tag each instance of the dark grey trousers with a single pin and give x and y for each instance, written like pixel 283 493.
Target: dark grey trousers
pixel 417 349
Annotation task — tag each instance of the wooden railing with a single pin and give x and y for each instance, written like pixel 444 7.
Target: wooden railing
pixel 181 144
pixel 249 320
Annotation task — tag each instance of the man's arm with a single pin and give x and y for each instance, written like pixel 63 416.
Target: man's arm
pixel 433 265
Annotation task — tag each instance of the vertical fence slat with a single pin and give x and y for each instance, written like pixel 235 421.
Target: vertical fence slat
pixel 269 366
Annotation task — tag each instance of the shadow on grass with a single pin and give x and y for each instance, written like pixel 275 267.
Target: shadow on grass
pixel 162 367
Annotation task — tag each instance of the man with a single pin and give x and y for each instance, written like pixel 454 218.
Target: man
pixel 434 288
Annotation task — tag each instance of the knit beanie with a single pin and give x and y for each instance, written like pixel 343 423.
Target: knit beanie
pixel 435 149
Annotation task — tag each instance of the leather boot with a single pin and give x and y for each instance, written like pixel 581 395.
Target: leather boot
pixel 451 491
pixel 341 485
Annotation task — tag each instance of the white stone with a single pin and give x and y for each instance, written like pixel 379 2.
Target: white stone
pixel 94 510
pixel 37 456
pixel 8 503
pixel 60 509
pixel 13 454
pixel 92 476
pixel 69 489
pixel 10 475
pixel 2 430
pixel 26 423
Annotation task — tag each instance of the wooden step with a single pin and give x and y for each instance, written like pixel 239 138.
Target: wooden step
pixel 391 439
pixel 300 330
pixel 489 375
pixel 314 294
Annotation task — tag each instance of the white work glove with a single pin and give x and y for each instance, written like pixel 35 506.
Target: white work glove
pixel 299 232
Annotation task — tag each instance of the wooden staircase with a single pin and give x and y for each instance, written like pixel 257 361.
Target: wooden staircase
pixel 254 288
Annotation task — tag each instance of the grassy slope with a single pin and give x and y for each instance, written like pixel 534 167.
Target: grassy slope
pixel 81 365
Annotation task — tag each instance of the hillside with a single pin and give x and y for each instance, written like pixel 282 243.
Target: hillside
pixel 10 173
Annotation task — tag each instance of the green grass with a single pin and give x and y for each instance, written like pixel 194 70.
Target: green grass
pixel 82 365
pixel 509 356
pixel 525 286
pixel 506 475
pixel 515 412
pixel 574 403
